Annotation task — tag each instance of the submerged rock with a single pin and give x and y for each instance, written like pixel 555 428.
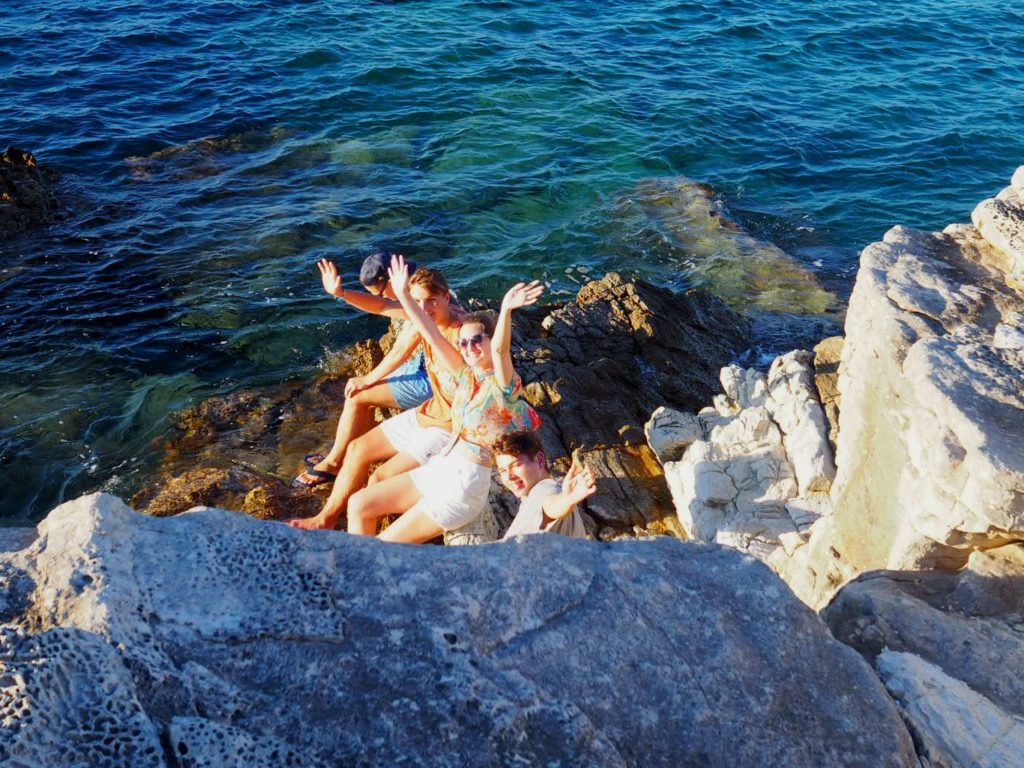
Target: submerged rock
pixel 27 197
pixel 722 257
pixel 214 639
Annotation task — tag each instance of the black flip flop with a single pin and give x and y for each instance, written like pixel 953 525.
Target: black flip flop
pixel 320 477
pixel 312 459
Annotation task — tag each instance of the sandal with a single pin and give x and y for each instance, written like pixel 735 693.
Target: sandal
pixel 312 459
pixel 319 478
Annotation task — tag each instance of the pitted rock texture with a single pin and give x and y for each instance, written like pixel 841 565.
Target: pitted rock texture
pixel 754 471
pixel 948 646
pixel 27 197
pixel 593 368
pixel 233 640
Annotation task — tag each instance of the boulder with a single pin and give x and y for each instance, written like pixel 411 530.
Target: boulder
pixel 752 472
pixel 948 647
pixel 27 197
pixel 211 638
pixel 930 466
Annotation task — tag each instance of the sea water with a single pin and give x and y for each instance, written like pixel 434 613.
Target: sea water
pixel 213 152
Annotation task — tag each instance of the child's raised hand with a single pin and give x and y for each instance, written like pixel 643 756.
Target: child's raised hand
pixel 329 277
pixel 521 294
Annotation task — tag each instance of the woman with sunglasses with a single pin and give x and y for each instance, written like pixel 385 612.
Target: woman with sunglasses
pixel 451 489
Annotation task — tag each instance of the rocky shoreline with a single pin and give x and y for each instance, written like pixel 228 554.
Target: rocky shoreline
pixel 878 479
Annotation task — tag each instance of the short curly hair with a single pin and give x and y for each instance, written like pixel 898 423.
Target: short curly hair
pixel 520 443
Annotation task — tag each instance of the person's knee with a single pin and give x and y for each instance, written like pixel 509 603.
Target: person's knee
pixel 359 451
pixel 360 506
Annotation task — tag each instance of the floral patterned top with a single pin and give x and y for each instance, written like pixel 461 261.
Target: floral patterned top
pixel 482 412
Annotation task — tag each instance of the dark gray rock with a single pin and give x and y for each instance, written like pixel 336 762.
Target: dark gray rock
pixel 237 640
pixel 27 197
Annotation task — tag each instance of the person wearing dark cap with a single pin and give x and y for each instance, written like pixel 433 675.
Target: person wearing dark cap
pixel 398 381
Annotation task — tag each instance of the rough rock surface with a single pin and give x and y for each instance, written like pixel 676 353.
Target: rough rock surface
pixel 754 471
pixel 27 196
pixel 594 368
pixel 229 641
pixel 827 355
pixel 930 460
pixel 949 647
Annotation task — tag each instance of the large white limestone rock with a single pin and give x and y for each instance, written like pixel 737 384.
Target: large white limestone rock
pixel 753 472
pixel 930 465
pixel 212 639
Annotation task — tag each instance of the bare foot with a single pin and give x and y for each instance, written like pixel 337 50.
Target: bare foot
pixel 315 523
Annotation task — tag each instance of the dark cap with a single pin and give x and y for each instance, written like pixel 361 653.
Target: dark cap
pixel 374 271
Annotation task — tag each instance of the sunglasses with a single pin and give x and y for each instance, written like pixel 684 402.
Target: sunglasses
pixel 472 341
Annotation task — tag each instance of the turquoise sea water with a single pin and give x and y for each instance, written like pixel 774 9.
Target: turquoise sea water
pixel 214 151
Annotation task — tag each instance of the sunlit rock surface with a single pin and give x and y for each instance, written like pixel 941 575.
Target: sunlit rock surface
pixel 929 466
pixel 752 472
pixel 214 639
pixel 949 648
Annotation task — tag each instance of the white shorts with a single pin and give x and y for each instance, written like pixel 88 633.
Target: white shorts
pixel 454 490
pixel 407 436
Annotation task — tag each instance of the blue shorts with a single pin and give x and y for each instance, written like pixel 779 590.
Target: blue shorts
pixel 409 384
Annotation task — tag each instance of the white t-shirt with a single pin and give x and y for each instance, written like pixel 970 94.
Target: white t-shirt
pixel 530 518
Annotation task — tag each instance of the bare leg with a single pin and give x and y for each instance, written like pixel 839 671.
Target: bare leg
pixel 356 420
pixel 364 451
pixel 388 497
pixel 396 465
pixel 414 527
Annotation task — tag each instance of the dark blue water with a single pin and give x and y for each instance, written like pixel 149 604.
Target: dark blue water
pixel 214 151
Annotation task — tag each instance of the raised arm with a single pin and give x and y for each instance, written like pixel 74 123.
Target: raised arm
pixel 519 295
pixel 577 486
pixel 449 355
pixel 366 302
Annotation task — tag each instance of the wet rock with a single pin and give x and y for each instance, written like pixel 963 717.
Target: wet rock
pixel 228 640
pixel 241 450
pixel 27 197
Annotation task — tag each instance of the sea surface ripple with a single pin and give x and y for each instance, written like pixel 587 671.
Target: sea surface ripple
pixel 213 151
